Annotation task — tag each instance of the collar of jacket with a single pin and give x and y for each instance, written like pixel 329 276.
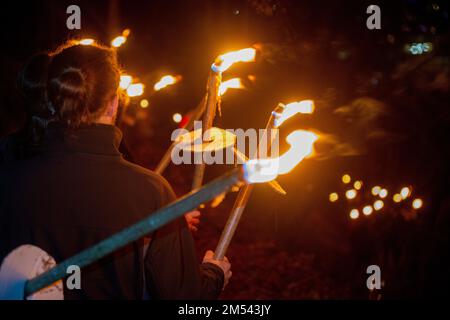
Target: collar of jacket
pixel 99 139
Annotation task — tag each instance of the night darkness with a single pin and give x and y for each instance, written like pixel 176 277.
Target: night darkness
pixel 382 114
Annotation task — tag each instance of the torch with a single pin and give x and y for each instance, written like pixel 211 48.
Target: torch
pixel 253 171
pixel 221 64
pixel 195 114
pixel 278 116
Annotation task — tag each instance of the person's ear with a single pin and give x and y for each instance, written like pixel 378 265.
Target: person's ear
pixel 113 105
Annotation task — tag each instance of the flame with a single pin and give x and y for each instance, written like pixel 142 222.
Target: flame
pixel 226 60
pixel 118 41
pixel 234 83
pixel 86 42
pixel 135 89
pixel 166 81
pixel 291 109
pixel 264 170
pixel 125 81
pixel 126 33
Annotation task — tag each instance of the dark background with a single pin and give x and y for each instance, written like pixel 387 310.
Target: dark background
pixel 383 114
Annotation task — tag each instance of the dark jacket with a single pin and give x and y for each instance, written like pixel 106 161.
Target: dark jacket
pixel 78 191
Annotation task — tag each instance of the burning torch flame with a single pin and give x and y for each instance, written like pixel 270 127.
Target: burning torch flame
pixel 234 83
pixel 166 81
pixel 86 42
pixel 135 89
pixel 125 81
pixel 264 170
pixel 291 109
pixel 120 40
pixel 226 60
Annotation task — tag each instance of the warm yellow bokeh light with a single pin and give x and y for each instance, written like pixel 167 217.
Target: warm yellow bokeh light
pixel 144 103
pixel 397 197
pixel 358 185
pixel 376 190
pixel 383 193
pixel 378 205
pixel 417 203
pixel 177 118
pixel 367 210
pixel 405 192
pixel 351 194
pixel 354 214
pixel 333 197
pixel 125 81
pixel 346 178
pixel 135 89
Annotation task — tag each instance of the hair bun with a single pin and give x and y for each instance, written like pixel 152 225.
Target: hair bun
pixel 68 91
pixel 71 83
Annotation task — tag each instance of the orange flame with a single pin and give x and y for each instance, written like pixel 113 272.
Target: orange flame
pixel 264 170
pixel 234 83
pixel 118 41
pixel 226 60
pixel 291 109
pixel 166 81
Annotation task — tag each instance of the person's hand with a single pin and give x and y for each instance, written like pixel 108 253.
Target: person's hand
pixel 193 220
pixel 222 264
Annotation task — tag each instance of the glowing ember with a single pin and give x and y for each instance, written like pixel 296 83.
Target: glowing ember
pixel 346 178
pixel 135 89
pixel 417 203
pixel 376 190
pixel 166 81
pixel 397 197
pixel 177 118
pixel 367 210
pixel 383 193
pixel 405 192
pixel 351 194
pixel 357 185
pixel 378 205
pixel 118 41
pixel 291 109
pixel 333 197
pixel 354 213
pixel 125 81
pixel 126 33
pixel 264 170
pixel 234 83
pixel 86 42
pixel 228 59
pixel 144 103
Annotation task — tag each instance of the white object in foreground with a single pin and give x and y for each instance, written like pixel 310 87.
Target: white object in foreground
pixel 22 264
